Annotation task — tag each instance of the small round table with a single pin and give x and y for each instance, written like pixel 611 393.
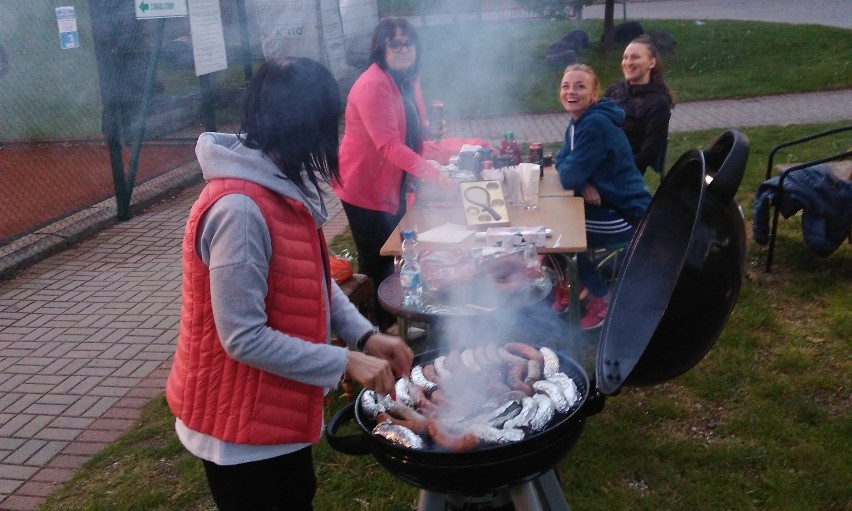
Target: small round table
pixel 465 308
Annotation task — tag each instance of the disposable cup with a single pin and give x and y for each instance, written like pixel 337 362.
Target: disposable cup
pixel 512 177
pixel 529 184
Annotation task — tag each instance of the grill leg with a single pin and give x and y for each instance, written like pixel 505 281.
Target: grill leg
pixel 431 501
pixel 540 494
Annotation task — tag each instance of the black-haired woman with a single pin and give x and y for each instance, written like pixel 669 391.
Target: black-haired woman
pixel 383 144
pixel 254 358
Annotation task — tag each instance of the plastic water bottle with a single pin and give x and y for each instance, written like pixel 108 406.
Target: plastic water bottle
pixel 409 274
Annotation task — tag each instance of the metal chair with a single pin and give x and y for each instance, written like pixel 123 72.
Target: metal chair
pixel 660 165
pixel 778 199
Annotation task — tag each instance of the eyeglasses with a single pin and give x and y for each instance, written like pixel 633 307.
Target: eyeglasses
pixel 397 45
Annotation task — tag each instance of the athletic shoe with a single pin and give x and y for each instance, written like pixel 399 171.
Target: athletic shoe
pixel 560 300
pixel 595 314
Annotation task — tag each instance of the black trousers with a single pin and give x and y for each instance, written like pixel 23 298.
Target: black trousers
pixel 285 483
pixel 370 230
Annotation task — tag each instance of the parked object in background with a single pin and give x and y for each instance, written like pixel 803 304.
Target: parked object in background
pixel 559 56
pixel 627 31
pixel 576 39
pixel 664 42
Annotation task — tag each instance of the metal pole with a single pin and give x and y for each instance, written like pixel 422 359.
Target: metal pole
pixel 124 211
pixel 244 40
pixel 208 100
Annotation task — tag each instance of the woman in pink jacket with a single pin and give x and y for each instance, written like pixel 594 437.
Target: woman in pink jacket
pixel 382 145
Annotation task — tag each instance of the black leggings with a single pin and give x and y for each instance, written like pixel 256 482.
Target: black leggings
pixel 285 483
pixel 370 230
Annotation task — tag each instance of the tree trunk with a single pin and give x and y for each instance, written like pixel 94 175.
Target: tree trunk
pixel 609 24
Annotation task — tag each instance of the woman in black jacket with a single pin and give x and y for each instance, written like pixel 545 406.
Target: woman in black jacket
pixel 647 102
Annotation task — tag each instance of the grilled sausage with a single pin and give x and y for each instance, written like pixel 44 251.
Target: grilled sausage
pixel 508 357
pixel 451 441
pixel 524 350
pixel 515 378
pixel 431 373
pixel 418 426
pixel 533 372
pixel 453 363
pixel 469 360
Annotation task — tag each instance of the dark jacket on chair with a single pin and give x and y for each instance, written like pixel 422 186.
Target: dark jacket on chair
pixel 824 200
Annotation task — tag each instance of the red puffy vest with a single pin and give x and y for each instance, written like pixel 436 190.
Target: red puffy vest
pixel 211 392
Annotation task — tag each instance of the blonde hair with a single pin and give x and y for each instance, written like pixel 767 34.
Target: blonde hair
pixel 596 83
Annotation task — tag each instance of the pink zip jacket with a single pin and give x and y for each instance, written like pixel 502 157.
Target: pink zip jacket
pixel 373 154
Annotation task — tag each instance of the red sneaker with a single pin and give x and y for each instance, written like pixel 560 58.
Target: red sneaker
pixel 560 300
pixel 595 314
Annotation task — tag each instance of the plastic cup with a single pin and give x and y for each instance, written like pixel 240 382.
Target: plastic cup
pixel 529 185
pixel 512 177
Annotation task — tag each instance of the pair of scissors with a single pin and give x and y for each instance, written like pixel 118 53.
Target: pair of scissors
pixel 486 205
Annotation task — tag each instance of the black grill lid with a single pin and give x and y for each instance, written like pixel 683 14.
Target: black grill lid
pixel 681 273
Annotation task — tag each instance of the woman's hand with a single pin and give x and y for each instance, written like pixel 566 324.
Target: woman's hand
pixel 443 131
pixel 438 131
pixel 445 182
pixel 591 195
pixel 384 358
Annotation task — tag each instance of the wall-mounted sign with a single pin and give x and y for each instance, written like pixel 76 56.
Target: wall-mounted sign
pixel 208 36
pixel 66 20
pixel 171 9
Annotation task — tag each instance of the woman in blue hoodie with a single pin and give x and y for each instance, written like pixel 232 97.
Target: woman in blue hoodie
pixel 596 162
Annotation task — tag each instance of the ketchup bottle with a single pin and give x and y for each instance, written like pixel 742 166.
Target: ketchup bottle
pixel 514 148
pixel 504 144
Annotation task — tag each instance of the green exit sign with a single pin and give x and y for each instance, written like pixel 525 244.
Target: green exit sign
pixel 170 9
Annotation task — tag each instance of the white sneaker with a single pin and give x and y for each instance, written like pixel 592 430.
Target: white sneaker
pixel 414 332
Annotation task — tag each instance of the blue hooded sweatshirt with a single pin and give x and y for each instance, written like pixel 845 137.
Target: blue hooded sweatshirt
pixel 600 154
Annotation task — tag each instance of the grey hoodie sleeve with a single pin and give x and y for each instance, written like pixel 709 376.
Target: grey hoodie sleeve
pixel 235 244
pixel 346 320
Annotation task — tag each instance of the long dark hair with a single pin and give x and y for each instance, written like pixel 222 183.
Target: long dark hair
pixel 385 31
pixel 658 71
pixel 291 112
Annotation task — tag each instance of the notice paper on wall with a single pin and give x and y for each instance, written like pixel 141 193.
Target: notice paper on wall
pixel 208 37
pixel 66 19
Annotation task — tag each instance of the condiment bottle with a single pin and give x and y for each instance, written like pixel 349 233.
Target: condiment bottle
pixel 536 156
pixel 514 148
pixel 436 119
pixel 504 144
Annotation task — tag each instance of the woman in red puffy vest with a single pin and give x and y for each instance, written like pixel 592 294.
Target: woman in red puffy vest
pixel 254 358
